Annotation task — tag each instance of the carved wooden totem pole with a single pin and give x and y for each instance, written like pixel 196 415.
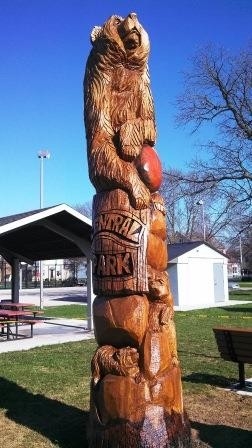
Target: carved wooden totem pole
pixel 136 395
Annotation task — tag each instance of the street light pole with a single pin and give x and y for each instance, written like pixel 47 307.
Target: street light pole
pixel 241 257
pixel 42 155
pixel 201 202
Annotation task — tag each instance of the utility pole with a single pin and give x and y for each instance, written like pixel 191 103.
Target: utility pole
pixel 42 155
pixel 241 257
pixel 201 203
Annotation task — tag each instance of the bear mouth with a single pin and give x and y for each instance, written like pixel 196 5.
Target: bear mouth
pixel 132 40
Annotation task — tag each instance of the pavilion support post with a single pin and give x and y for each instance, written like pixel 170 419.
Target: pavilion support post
pixel 15 280
pixel 20 277
pixel 90 294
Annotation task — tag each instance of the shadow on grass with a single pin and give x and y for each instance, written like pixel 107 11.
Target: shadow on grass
pixel 236 309
pixel 65 425
pixel 202 355
pixel 71 298
pixel 205 378
pixel 240 292
pixel 62 424
pixel 221 436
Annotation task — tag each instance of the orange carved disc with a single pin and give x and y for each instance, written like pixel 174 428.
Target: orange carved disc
pixel 149 168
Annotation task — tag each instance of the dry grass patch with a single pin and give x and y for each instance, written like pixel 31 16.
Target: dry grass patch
pixel 221 419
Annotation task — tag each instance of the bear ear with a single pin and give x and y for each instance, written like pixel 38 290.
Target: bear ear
pixel 96 31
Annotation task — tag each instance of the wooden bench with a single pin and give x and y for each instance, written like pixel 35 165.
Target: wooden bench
pixel 8 324
pixel 235 344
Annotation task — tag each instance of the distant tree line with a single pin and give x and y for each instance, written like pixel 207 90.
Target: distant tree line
pixel 217 92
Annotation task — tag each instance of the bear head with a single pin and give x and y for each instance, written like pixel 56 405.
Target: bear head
pixel 123 40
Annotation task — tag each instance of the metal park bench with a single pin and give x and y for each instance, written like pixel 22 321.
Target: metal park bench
pixel 235 344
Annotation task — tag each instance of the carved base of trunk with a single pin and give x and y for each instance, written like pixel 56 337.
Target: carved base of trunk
pixel 156 430
pixel 138 413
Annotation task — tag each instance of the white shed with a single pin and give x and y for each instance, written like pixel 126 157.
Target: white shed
pixel 198 275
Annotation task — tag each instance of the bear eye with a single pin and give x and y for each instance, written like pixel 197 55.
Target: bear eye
pixel 117 20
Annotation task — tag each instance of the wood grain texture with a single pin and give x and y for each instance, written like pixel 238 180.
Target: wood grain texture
pixel 136 393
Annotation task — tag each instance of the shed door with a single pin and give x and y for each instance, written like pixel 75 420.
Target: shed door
pixel 218 282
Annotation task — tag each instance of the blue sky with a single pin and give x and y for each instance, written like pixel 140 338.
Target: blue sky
pixel 44 45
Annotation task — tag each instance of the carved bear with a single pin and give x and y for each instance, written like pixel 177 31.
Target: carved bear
pixel 119 111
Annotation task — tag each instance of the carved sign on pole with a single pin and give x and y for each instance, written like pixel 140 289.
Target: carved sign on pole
pixel 136 394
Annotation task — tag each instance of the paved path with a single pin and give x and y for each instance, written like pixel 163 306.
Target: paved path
pixel 49 332
pixel 52 296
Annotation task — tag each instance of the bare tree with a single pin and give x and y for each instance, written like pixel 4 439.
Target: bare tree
pixel 191 214
pixel 218 92
pixel 85 209
pixel 240 250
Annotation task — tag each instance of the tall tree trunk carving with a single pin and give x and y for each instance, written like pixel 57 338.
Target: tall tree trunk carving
pixel 136 394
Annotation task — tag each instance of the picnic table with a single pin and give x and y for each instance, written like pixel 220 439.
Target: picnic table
pixel 15 306
pixel 16 318
pixel 22 306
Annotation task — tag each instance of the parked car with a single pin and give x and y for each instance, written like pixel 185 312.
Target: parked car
pixel 235 286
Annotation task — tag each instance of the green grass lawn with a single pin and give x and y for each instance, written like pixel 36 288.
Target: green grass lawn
pixel 66 311
pixel 245 284
pixel 201 364
pixel 80 311
pixel 240 294
pixel 44 397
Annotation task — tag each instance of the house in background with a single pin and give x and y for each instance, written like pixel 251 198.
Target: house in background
pixel 234 270
pixel 198 275
pixel 59 272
